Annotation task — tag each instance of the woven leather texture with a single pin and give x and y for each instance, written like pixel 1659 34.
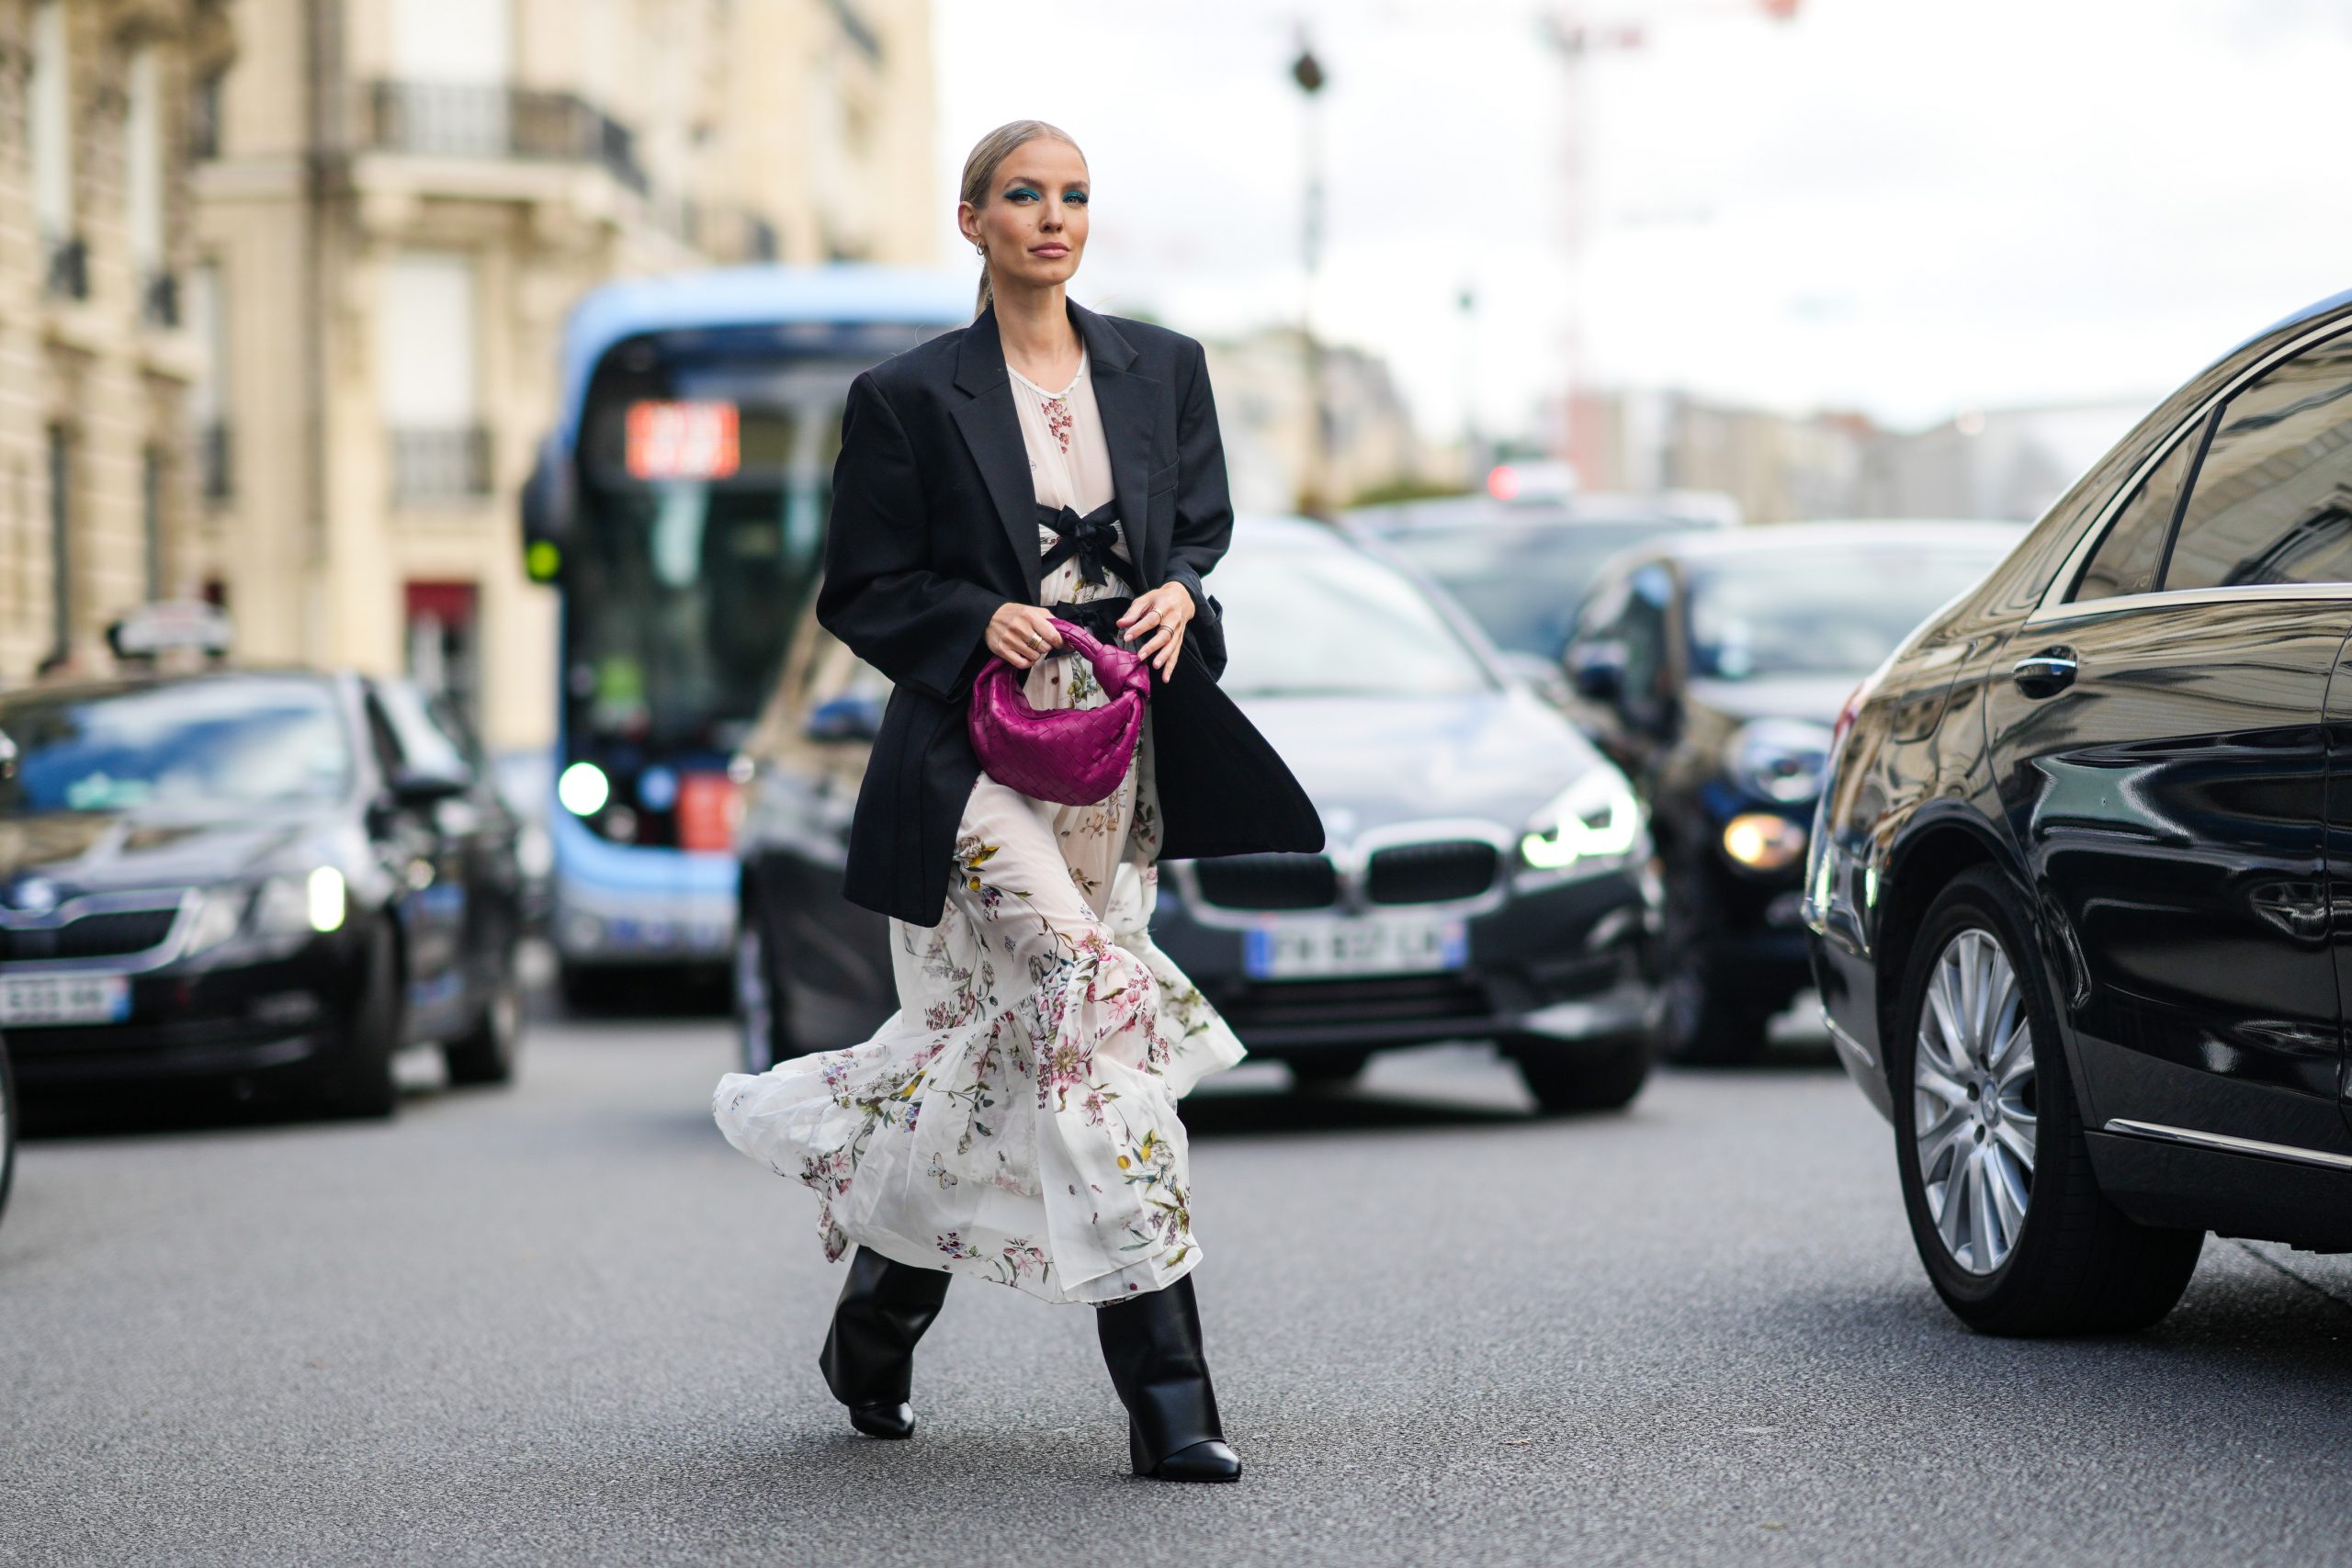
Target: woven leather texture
pixel 1070 756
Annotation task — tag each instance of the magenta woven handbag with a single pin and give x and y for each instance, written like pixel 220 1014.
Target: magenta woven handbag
pixel 1070 756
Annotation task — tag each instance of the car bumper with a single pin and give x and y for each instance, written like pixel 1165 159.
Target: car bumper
pixel 1565 967
pixel 200 1020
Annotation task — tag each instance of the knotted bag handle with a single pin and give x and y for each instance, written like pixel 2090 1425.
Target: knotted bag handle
pixel 1120 670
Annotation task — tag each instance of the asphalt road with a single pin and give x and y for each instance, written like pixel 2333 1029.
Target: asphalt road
pixel 566 1324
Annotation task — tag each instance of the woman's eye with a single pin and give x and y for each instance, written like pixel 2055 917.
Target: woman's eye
pixel 1021 193
pixel 1076 196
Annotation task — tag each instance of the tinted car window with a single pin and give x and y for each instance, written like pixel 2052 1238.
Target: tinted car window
pixel 1330 622
pixel 207 745
pixel 1822 609
pixel 2126 560
pixel 1520 581
pixel 2272 501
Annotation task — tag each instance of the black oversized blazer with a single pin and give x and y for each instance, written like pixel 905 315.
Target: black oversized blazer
pixel 934 525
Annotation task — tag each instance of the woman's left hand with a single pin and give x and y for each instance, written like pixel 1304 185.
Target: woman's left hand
pixel 1162 613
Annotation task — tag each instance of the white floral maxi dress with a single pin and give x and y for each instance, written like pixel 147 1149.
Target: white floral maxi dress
pixel 1015 1120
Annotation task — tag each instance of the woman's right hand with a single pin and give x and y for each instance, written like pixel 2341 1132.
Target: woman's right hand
pixel 1021 634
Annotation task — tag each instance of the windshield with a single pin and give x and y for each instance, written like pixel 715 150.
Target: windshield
pixel 236 744
pixel 680 587
pixel 1521 581
pixel 1331 622
pixel 1821 609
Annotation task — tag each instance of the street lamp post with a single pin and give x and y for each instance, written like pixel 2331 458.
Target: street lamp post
pixel 1315 491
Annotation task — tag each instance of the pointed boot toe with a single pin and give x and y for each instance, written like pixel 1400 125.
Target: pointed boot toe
pixel 887 1420
pixel 1211 1461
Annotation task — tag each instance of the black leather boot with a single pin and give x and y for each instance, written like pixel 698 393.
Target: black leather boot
pixel 1152 1345
pixel 869 1355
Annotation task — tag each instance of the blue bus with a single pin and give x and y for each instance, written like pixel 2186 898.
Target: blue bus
pixel 679 508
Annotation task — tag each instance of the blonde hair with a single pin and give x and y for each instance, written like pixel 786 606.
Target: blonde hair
pixel 979 173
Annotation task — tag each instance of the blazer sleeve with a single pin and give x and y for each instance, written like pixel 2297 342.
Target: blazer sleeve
pixel 881 596
pixel 1204 502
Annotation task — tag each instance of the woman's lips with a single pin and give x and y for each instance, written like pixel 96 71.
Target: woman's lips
pixel 1049 250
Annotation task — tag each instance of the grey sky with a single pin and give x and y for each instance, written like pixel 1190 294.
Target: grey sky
pixel 1890 205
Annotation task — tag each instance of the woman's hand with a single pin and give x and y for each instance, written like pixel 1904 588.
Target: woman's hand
pixel 1021 634
pixel 1162 613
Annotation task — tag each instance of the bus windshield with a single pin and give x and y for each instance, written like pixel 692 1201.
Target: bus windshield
pixel 705 469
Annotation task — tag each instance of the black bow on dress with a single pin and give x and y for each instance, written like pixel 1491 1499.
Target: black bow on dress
pixel 1090 538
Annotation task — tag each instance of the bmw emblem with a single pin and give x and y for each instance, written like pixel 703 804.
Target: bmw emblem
pixel 35 895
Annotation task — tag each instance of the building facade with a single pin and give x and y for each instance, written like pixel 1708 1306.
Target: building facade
pixel 399 202
pixel 97 462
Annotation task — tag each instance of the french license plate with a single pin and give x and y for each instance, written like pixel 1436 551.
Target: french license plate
pixel 1364 945
pixel 64 998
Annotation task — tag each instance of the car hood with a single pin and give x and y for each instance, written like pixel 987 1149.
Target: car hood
pixel 81 852
pixel 1368 762
pixel 1813 697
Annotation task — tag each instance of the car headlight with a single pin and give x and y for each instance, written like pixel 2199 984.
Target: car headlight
pixel 299 903
pixel 1591 826
pixel 1782 759
pixel 219 913
pixel 1761 841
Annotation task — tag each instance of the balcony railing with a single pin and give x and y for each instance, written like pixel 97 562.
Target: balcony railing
pixel 447 464
pixel 212 452
pixel 68 276
pixel 448 120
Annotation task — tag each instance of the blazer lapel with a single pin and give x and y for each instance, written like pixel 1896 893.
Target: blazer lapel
pixel 1129 402
pixel 992 430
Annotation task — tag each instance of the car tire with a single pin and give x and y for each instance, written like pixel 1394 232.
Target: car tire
pixel 2068 1260
pixel 360 1082
pixel 486 1054
pixel 1566 1081
pixel 1707 1018
pixel 1326 1069
pixel 763 1037
pixel 7 1129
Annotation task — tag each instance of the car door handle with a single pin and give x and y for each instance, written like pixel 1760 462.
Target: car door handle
pixel 2046 674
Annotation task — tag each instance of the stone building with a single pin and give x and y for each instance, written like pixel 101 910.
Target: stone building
pixel 98 467
pixel 399 202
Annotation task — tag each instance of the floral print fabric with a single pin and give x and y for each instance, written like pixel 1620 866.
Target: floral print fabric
pixel 1015 1120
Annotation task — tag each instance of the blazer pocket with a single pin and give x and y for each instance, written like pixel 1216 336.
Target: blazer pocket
pixel 1164 479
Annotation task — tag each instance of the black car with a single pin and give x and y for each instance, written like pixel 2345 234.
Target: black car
pixel 1711 666
pixel 273 877
pixel 2079 895
pixel 1486 875
pixel 1520 569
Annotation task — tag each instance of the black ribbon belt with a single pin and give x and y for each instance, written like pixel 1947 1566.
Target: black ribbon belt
pixel 1099 616
pixel 1090 538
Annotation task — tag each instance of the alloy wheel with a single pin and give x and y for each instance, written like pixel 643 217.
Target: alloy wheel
pixel 1974 1101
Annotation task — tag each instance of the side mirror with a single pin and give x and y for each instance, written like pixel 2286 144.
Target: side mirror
pixel 426 786
pixel 844 718
pixel 1597 672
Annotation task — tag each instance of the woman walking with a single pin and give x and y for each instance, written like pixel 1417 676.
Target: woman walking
pixel 1015 1120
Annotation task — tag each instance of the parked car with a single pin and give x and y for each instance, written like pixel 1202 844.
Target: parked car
pixel 1521 569
pixel 274 876
pixel 1486 875
pixel 1713 665
pixel 7 1127
pixel 2076 895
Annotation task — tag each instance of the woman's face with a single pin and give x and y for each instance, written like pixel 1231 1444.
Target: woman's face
pixel 1034 223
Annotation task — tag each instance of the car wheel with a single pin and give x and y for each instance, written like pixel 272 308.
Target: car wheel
pixel 759 1004
pixel 1569 1080
pixel 1708 1018
pixel 1326 1069
pixel 7 1129
pixel 487 1052
pixel 360 1082
pixel 2007 1216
